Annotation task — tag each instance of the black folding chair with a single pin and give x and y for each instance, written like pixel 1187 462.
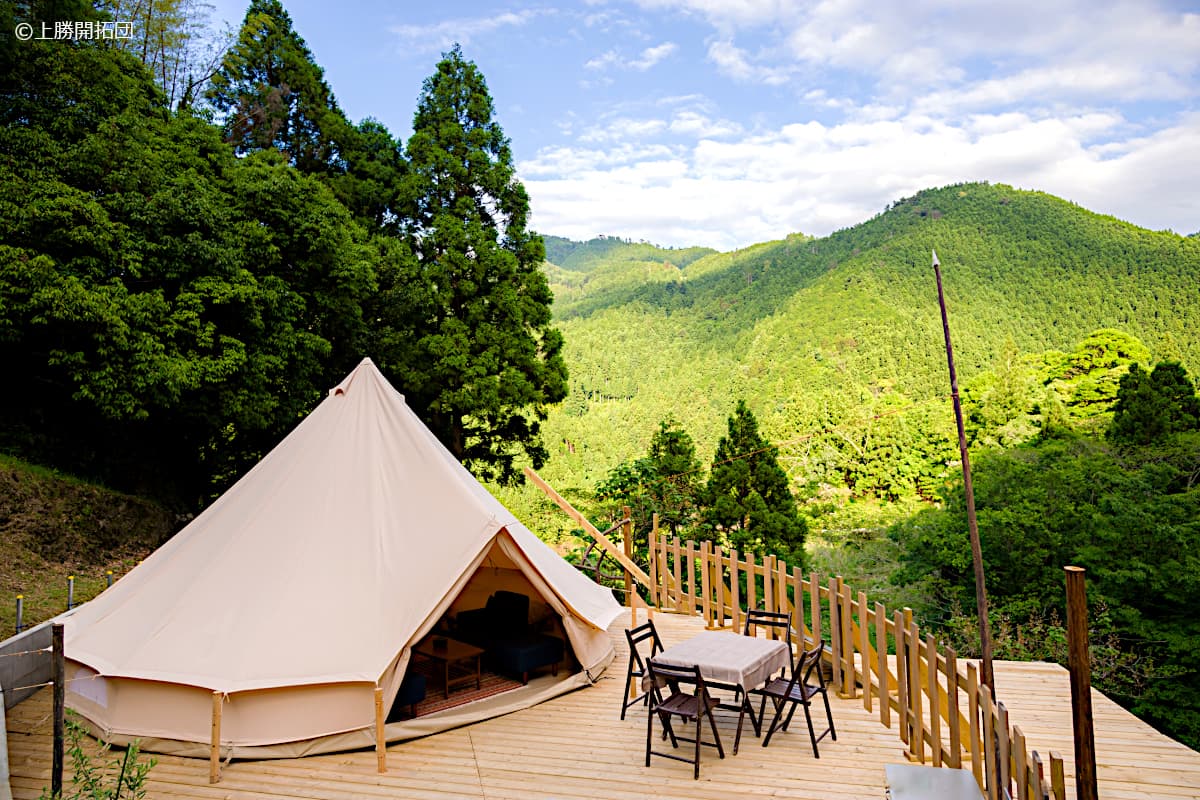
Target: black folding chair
pixel 687 706
pixel 779 621
pixel 798 690
pixel 637 663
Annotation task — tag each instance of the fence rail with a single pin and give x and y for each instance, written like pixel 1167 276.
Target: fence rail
pixel 941 709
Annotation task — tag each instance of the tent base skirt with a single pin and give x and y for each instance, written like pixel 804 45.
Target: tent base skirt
pixel 538 690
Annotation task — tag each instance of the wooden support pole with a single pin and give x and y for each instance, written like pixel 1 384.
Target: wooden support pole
pixel 917 745
pixel 652 557
pixel 214 753
pixel 735 601
pixel 902 683
pixel 591 529
pixel 864 649
pixel 58 674
pixel 1058 781
pixel 881 649
pixel 691 576
pixel 1081 685
pixel 846 608
pixel 955 732
pixel 981 605
pixel 380 737
pixel 935 716
pixel 814 602
pixel 976 732
pixel 627 548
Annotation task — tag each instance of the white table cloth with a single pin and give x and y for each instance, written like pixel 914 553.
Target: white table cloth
pixel 729 658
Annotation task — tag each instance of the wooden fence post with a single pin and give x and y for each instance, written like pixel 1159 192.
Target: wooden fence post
pixel 1081 685
pixel 627 547
pixel 58 674
pixel 652 557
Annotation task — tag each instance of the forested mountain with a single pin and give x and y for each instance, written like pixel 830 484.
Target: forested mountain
pixel 1074 341
pixel 823 336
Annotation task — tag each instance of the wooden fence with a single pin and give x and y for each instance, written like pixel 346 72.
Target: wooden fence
pixel 944 714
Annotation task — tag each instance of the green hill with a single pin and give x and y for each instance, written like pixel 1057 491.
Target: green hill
pixel 820 335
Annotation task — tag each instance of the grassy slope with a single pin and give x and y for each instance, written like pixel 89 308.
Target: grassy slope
pixel 53 526
pixel 817 331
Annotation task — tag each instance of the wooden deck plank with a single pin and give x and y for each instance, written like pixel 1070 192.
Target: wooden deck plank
pixel 575 747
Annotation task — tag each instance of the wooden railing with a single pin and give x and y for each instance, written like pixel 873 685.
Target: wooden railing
pixel 942 711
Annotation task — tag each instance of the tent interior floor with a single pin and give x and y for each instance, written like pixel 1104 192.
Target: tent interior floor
pixel 575 746
pixel 436 699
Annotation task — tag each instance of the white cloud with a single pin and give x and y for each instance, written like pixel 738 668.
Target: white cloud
pixel 442 35
pixel 816 178
pixel 734 62
pixel 647 59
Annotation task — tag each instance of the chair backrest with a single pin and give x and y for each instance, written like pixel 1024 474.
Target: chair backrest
pixel 810 660
pixel 642 633
pixel 780 623
pixel 779 620
pixel 509 612
pixel 669 675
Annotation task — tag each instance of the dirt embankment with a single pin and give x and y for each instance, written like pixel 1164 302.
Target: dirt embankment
pixel 52 527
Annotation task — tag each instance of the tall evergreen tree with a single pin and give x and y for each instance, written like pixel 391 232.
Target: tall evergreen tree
pixel 1151 406
pixel 747 497
pixel 272 94
pixel 481 362
pixel 665 481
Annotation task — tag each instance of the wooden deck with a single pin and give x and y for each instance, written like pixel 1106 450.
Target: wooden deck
pixel 576 747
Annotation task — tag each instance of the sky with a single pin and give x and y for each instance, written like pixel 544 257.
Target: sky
pixel 725 123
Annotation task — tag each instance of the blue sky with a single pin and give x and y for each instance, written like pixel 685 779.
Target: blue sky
pixel 729 122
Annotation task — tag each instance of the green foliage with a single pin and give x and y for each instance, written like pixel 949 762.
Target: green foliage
pixel 1130 517
pixel 172 39
pixel 666 481
pixel 272 94
pixel 747 498
pixel 1152 406
pixel 156 288
pixel 480 361
pixel 125 776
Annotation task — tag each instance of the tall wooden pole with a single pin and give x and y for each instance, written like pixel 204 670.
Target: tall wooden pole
pixel 627 546
pixel 58 670
pixel 1081 685
pixel 985 632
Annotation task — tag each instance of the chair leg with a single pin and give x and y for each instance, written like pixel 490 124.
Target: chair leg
pixel 669 730
pixel 649 732
pixel 625 702
pixel 829 716
pixel 699 731
pixel 775 720
pixel 737 739
pixel 811 733
pixel 716 735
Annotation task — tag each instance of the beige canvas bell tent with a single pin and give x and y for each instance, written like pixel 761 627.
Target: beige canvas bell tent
pixel 308 583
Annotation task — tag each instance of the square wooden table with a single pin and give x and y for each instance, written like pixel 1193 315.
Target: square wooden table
pixel 733 662
pixel 458 661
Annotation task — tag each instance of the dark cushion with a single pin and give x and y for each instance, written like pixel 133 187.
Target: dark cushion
pixel 505 617
pixel 527 653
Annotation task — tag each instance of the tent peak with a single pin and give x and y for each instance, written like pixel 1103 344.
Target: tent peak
pixel 366 366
